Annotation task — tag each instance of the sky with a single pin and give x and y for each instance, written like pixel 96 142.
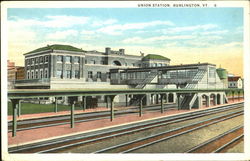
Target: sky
pixel 185 35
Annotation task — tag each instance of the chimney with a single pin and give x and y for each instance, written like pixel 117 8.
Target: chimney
pixel 122 51
pixel 108 50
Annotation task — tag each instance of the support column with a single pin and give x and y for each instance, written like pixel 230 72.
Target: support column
pixel 215 101
pixel 19 109
pixel 112 114
pixel 199 102
pixel 107 101
pixel 166 98
pixel 126 99
pixel 208 101
pixel 233 96
pixel 162 108
pixel 55 107
pixel 178 101
pixel 148 99
pixel 84 102
pixel 140 107
pixel 72 101
pixel 72 120
pixel 14 116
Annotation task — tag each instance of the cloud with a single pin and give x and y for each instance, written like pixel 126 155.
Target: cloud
pixel 214 32
pixel 117 29
pixel 233 44
pixel 190 28
pixel 98 23
pixel 23 36
pixel 62 34
pixel 87 32
pixel 65 21
pixel 62 21
pixel 140 40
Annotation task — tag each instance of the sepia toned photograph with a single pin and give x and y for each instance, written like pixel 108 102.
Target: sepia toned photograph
pixel 154 78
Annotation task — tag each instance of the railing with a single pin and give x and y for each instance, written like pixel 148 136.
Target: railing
pixel 175 81
pixel 43 80
pixel 147 80
pixel 199 75
pixel 191 103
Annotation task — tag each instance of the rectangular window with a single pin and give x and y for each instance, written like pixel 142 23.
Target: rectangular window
pixel 77 74
pixel 90 74
pixel 36 74
pixel 41 74
pixel 37 60
pixel 32 75
pixel 32 61
pixel 41 59
pixel 59 58
pixel 46 73
pixel 68 59
pixel 27 61
pixel 59 74
pixel 68 74
pixel 92 62
pixel 46 59
pixel 28 75
pixel 99 74
pixel 77 59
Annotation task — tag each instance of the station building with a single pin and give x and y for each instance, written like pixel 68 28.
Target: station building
pixel 68 67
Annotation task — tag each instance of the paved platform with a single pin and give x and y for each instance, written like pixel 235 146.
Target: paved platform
pixel 51 114
pixel 35 135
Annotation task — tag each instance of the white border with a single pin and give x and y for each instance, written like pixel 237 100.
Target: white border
pixel 125 157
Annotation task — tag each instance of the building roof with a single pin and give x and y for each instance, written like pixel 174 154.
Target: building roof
pixel 56 47
pixel 154 56
pixel 233 78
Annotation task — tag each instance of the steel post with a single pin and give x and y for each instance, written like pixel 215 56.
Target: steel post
pixel 14 116
pixel 162 109
pixel 140 108
pixel 19 108
pixel 55 108
pixel 112 115
pixel 72 119
pixel 107 101
pixel 84 100
pixel 126 96
pixel 178 101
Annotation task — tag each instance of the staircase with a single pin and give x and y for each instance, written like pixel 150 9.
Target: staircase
pixel 134 101
pixel 199 75
pixel 147 80
pixel 188 101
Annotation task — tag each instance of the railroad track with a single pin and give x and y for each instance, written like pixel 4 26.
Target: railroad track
pixel 220 143
pixel 56 145
pixel 85 117
pixel 150 140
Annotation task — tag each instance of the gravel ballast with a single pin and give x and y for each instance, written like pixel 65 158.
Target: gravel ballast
pixel 118 140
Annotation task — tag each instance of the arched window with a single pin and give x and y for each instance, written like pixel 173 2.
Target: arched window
pixel 117 63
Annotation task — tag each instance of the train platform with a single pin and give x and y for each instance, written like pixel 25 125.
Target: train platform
pixel 59 113
pixel 46 133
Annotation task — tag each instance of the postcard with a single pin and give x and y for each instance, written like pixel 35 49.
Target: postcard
pixel 125 80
